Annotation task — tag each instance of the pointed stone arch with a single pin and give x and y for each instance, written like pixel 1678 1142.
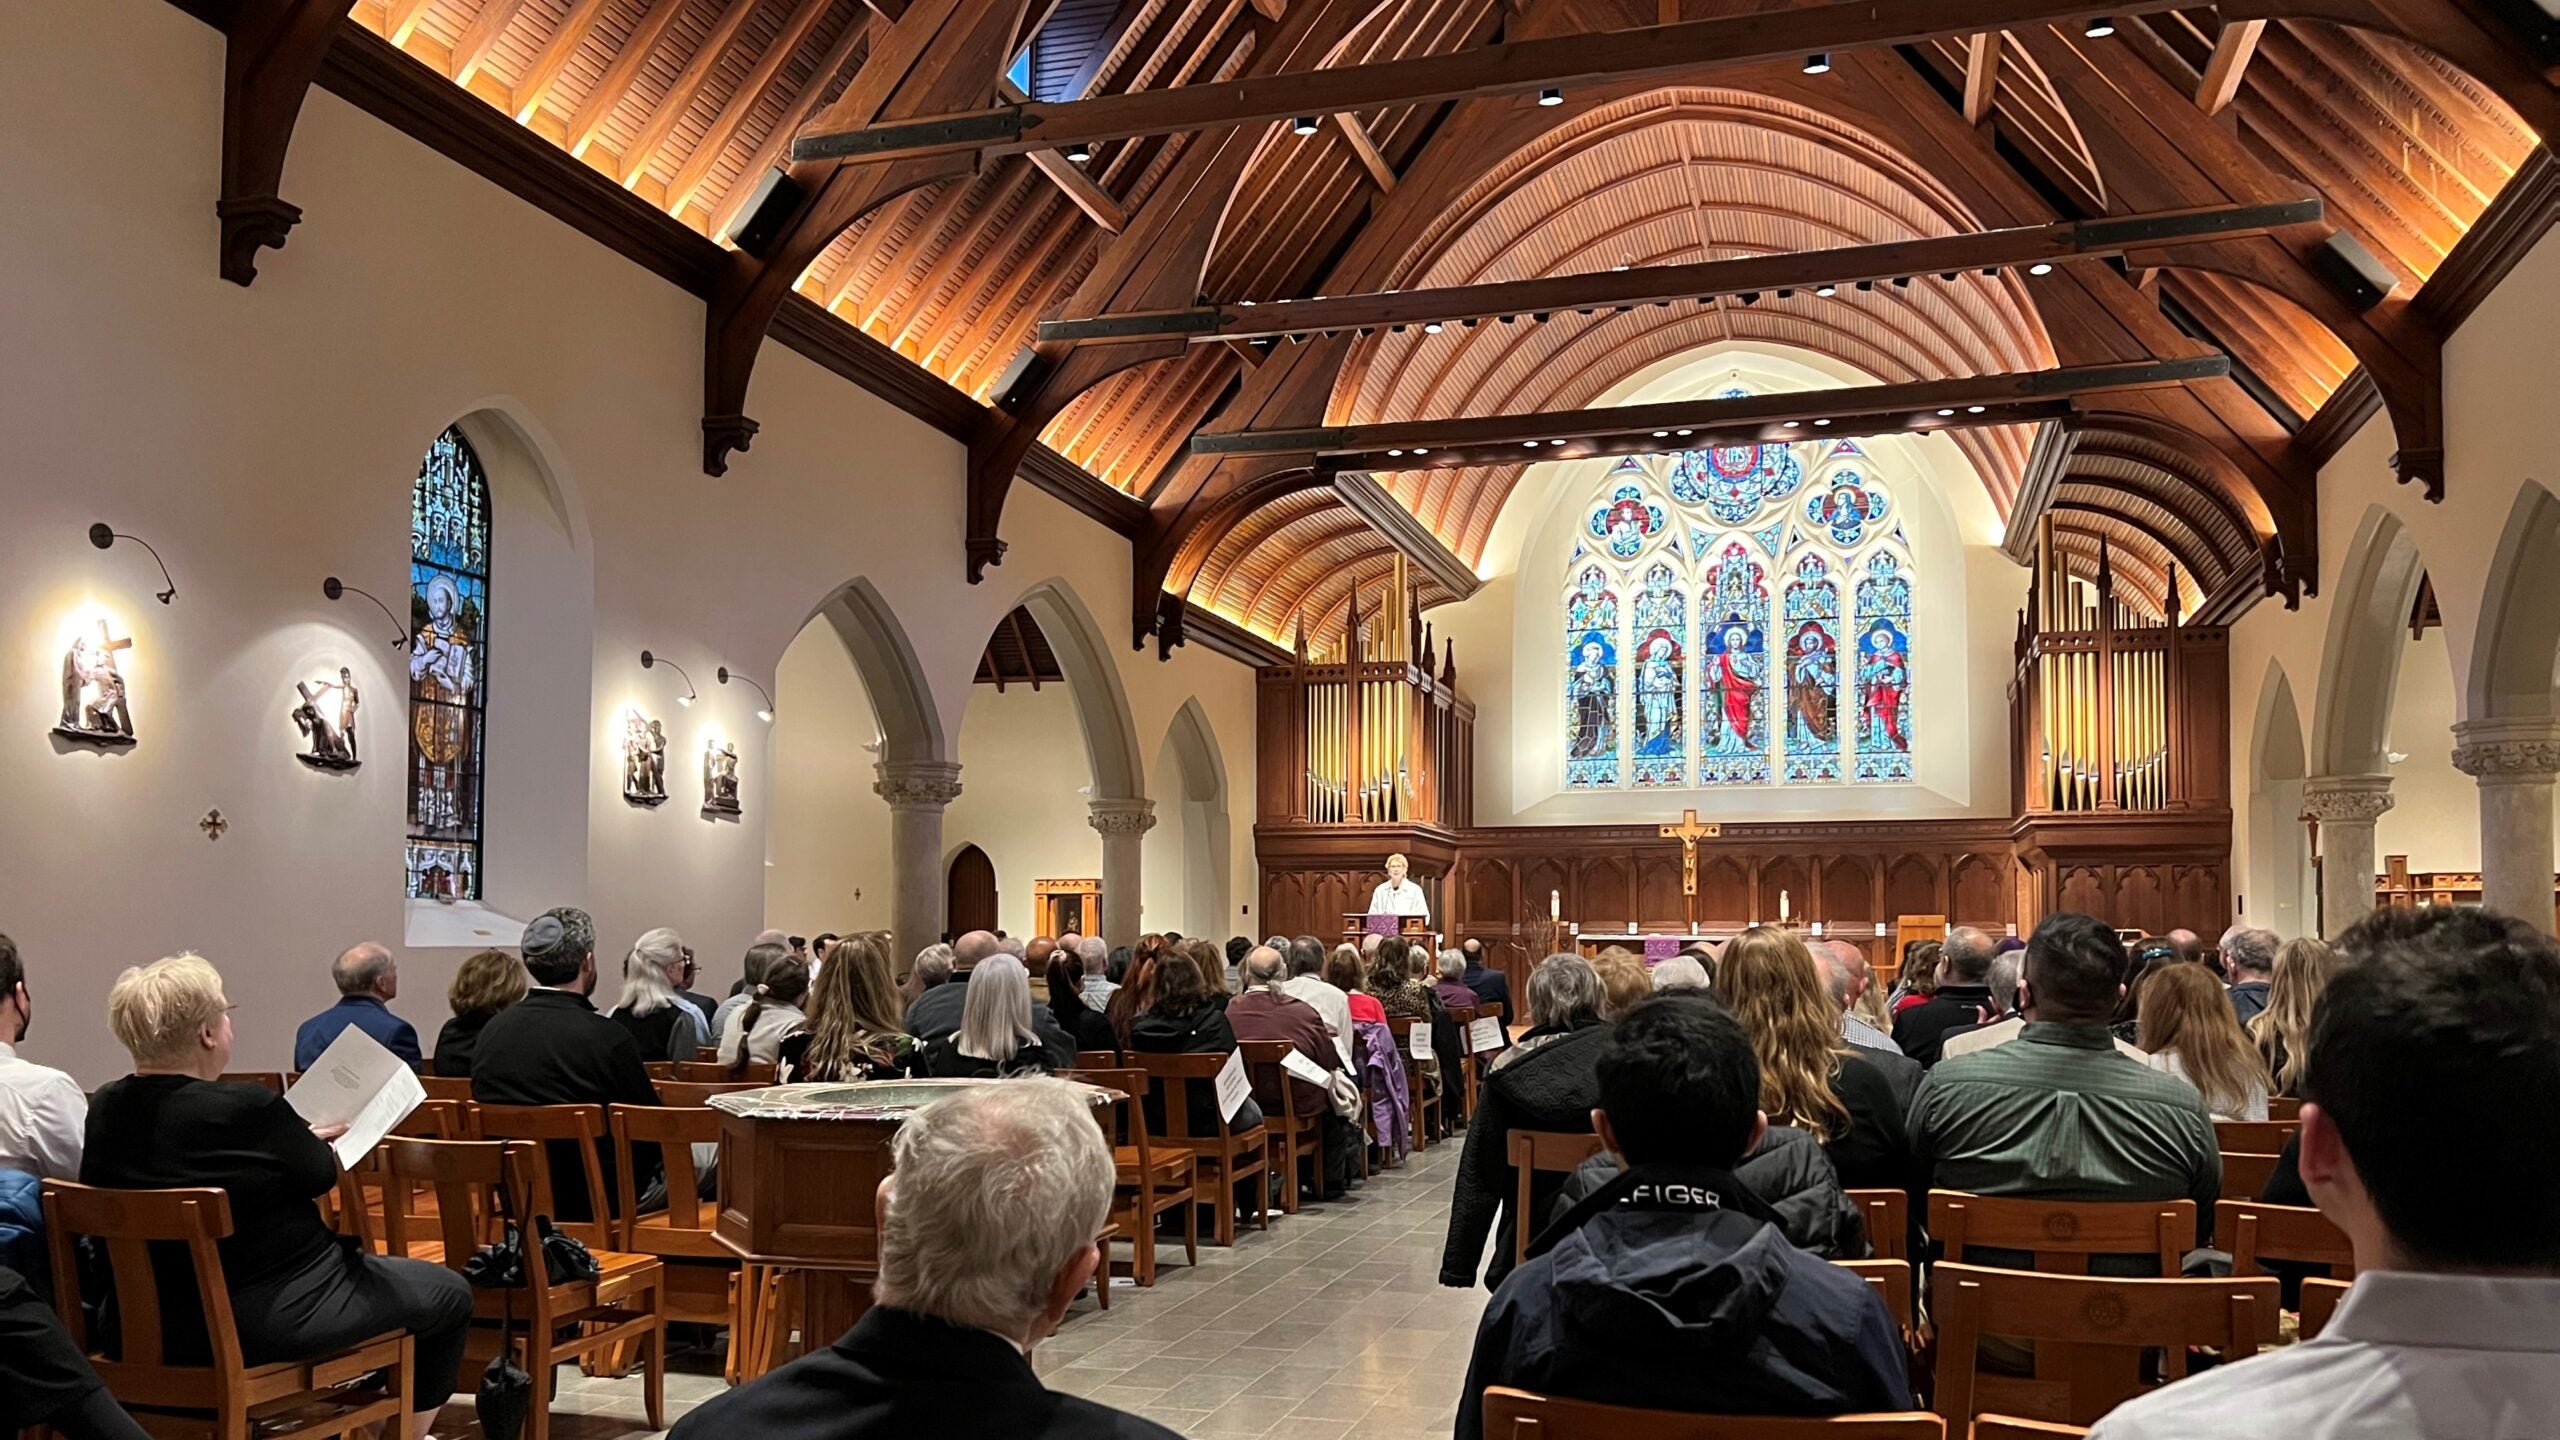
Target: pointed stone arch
pixel 2279 894
pixel 1189 853
pixel 2360 659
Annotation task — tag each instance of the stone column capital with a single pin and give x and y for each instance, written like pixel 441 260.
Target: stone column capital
pixel 2347 799
pixel 917 784
pixel 1123 817
pixel 2508 751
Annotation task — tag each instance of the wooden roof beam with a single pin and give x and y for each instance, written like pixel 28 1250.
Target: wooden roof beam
pixel 1513 68
pixel 480 35
pixel 1662 284
pixel 733 204
pixel 272 51
pixel 678 99
pixel 534 86
pixel 743 100
pixel 1365 149
pixel 1918 407
pixel 1981 76
pixel 2230 61
pixel 1366 498
pixel 610 87
pixel 1081 189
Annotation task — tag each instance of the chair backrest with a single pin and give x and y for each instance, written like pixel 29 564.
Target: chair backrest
pixel 446 1087
pixel 1518 1415
pixel 2284 1107
pixel 582 1124
pixel 436 1120
pixel 2009 1427
pixel 2247 1174
pixel 129 1223
pixel 1531 1151
pixel 1165 1074
pixel 2254 1137
pixel 272 1079
pixel 702 1072
pixel 694 1094
pixel 2254 1231
pixel 465 1176
pixel 660 1071
pixel 1262 1061
pixel 2320 1300
pixel 1123 1122
pixel 1488 1009
pixel 2063 1234
pixel 1891 1280
pixel 675 1130
pixel 1097 1059
pixel 1888 1217
pixel 2089 1335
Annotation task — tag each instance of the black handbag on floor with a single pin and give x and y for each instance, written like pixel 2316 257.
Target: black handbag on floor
pixel 505 1397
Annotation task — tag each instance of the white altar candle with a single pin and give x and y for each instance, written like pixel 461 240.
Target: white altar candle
pixel 1782 907
pixel 1555 904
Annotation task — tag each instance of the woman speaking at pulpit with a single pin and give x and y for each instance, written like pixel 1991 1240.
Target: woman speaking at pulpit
pixel 1399 896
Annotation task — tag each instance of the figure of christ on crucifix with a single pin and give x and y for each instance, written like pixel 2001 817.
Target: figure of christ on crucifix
pixel 1689 832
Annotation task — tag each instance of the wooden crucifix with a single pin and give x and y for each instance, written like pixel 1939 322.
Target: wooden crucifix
pixel 1689 832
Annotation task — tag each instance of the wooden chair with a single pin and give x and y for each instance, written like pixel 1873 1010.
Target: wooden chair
pixel 2284 1107
pixel 1460 1091
pixel 1532 1151
pixel 703 1072
pixel 1892 1281
pixel 2319 1302
pixel 2009 1427
pixel 2247 1174
pixel 2254 1231
pixel 1430 1113
pixel 559 1323
pixel 1292 1140
pixel 1888 1217
pixel 704 1054
pixel 1097 1059
pixel 1220 1160
pixel 702 1273
pixel 226 1398
pixel 1518 1415
pixel 2089 1334
pixel 446 1087
pixel 272 1079
pixel 2063 1234
pixel 1148 1181
pixel 2254 1137
pixel 660 1071
pixel 356 1207
pixel 694 1094
pixel 585 1126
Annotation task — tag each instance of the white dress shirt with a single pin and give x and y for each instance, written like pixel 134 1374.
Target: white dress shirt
pixel 1391 898
pixel 2252 1108
pixel 1332 1004
pixel 2407 1357
pixel 42 1115
pixel 2002 1033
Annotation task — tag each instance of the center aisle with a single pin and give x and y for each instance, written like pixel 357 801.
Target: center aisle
pixel 1331 1324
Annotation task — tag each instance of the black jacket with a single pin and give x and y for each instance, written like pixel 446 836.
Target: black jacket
pixel 1922 1029
pixel 1551 1087
pixel 457 1042
pixel 1875 1153
pixel 1085 1027
pixel 941 1059
pixel 1490 984
pixel 1203 1031
pixel 898 1375
pixel 1788 1173
pixel 1685 1297
pixel 552 1048
pixel 936 1014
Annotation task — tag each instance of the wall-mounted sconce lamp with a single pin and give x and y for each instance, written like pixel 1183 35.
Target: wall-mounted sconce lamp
pixel 337 589
pixel 765 713
pixel 651 662
pixel 103 535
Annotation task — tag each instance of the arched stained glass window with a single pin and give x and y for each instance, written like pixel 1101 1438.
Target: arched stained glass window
pixel 448 669
pixel 1591 685
pixel 1793 561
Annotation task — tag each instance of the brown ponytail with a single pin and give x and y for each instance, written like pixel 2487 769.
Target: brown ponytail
pixel 787 983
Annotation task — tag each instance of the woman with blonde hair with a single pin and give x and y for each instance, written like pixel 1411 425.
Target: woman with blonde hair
pixel 996 1039
pixel 855 1028
pixel 1809 1076
pixel 1623 981
pixel 2185 1024
pixel 2282 1031
pixel 486 984
pixel 658 1017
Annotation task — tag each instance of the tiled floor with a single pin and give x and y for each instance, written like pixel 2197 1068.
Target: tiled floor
pixel 1333 1322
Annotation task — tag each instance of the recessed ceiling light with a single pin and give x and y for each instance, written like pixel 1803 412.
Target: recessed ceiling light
pixel 1395 454
pixel 1529 444
pixel 1949 410
pixel 1688 432
pixel 1304 125
pixel 2099 27
pixel 1555 442
pixel 1820 423
pixel 1790 425
pixel 1551 96
pixel 2041 267
pixel 1661 434
pixel 1826 291
pixel 1973 409
pixel 1817 64
pixel 1431 329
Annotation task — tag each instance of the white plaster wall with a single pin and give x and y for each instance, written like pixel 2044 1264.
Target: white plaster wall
pixel 2497 383
pixel 267 437
pixel 829 867
pixel 1023 783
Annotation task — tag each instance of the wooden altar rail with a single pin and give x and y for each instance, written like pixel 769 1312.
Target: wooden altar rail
pixel 2398 885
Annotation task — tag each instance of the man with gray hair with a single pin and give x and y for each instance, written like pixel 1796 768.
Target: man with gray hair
pixel 1306 982
pixel 990 1222
pixel 368 980
pixel 2249 963
pixel 1963 998
pixel 1095 954
pixel 1845 974
pixel 1680 972
pixel 1546 1081
pixel 1267 1011
pixel 937 1011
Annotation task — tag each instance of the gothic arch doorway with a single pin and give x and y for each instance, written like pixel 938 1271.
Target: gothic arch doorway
pixel 971 886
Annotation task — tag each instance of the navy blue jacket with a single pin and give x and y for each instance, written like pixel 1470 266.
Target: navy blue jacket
pixel 366 1014
pixel 1490 984
pixel 1697 1304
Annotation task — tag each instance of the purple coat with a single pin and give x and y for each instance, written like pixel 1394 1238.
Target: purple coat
pixel 1382 1078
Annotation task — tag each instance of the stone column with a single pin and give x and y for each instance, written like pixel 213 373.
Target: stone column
pixel 2515 762
pixel 1124 825
pixel 917 791
pixel 2346 807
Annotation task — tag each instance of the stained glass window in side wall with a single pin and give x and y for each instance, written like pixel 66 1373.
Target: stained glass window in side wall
pixel 1884 669
pixel 1591 681
pixel 448 669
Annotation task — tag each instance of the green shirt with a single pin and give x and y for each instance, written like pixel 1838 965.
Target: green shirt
pixel 2059 1113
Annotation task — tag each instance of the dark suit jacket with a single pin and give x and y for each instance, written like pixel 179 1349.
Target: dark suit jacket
pixel 1491 984
pixel 552 1048
pixel 898 1375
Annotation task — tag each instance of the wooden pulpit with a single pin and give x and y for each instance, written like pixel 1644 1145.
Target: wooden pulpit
pixel 1414 928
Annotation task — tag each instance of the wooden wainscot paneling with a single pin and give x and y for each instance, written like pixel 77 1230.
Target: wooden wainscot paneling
pixel 1313 875
pixel 2136 871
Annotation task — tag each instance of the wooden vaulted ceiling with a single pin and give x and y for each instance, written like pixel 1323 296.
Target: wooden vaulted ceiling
pixel 691 104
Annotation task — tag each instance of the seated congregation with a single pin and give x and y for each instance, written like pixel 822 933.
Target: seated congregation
pixel 2253 1189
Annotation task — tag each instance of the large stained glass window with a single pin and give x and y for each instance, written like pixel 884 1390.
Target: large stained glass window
pixel 1795 669
pixel 448 669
